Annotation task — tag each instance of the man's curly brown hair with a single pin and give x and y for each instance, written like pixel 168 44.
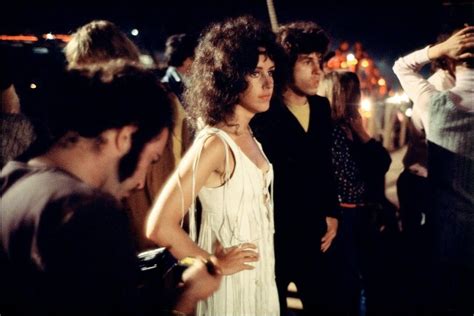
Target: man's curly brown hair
pixel 227 52
pixel 300 37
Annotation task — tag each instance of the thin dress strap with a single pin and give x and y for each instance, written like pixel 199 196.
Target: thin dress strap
pixel 192 210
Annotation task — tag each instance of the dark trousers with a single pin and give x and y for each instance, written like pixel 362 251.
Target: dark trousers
pixel 363 260
pixel 306 268
pixel 412 194
pixel 354 251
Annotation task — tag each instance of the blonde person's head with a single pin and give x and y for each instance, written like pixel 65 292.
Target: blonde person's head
pixel 97 42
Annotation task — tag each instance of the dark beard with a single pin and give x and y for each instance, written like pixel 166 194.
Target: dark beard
pixel 128 163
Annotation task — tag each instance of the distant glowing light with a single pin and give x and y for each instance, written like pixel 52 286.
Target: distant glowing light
pixel 40 50
pixel 381 82
pixel 365 63
pixel 147 60
pixel 33 85
pixel 409 112
pixel 18 38
pixel 404 97
pixel 134 32
pixel 366 105
pixel 62 37
pixel 351 60
pixel 343 64
pixel 398 98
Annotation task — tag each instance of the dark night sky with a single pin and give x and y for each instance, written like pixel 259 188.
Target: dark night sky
pixel 387 29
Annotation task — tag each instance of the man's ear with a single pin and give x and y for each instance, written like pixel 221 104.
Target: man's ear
pixel 123 139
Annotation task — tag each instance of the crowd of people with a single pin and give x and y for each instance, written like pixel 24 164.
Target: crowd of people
pixel 248 161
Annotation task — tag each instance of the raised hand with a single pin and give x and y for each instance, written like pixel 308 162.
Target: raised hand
pixel 456 46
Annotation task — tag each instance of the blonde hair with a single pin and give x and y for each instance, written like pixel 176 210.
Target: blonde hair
pixel 342 88
pixel 99 41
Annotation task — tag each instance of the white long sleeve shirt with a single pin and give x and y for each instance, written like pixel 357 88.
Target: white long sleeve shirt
pixel 421 91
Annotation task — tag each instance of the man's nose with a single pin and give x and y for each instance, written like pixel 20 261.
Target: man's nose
pixel 316 68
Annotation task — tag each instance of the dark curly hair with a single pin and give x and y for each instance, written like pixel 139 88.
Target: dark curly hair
pixel 86 101
pixel 227 52
pixel 89 100
pixel 302 37
pixel 111 95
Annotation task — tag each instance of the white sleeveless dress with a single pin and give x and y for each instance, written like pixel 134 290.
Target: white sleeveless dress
pixel 241 210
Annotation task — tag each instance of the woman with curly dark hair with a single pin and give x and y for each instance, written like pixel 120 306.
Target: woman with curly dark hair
pixel 232 79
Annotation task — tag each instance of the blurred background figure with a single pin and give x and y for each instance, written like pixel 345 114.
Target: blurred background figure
pixel 448 119
pixel 99 41
pixel 412 185
pixel 102 41
pixel 360 164
pixel 16 130
pixel 414 193
pixel 179 55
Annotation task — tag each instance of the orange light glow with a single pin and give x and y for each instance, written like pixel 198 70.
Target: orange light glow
pixel 352 62
pixel 17 38
pixel 381 82
pixel 31 38
pixel 62 37
pixel 365 63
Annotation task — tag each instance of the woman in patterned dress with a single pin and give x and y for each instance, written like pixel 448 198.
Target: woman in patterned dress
pixel 360 163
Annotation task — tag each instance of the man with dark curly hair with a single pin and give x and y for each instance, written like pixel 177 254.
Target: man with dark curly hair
pixel 232 79
pixel 296 135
